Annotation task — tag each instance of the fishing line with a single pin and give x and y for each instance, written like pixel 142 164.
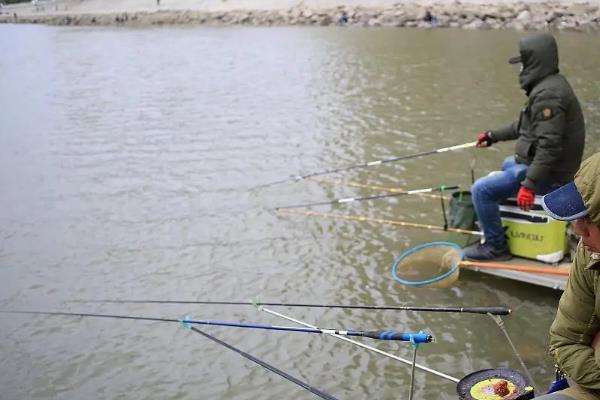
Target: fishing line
pixel 69 314
pixel 500 324
pixel 472 165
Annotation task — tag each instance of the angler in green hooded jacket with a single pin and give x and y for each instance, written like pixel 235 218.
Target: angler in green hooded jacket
pixel 550 134
pixel 575 332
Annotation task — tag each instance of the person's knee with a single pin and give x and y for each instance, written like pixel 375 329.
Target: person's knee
pixel 508 162
pixel 478 190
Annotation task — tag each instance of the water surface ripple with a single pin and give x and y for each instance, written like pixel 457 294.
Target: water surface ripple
pixel 126 159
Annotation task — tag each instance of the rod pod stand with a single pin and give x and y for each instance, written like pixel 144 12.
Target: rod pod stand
pixel 413 368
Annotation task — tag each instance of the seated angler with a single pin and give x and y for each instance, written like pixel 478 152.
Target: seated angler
pixel 550 134
pixel 575 332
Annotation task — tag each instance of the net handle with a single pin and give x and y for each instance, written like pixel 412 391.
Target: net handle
pixel 514 267
pixel 427 281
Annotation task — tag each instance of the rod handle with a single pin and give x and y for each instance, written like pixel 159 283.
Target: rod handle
pixel 419 337
pixel 486 310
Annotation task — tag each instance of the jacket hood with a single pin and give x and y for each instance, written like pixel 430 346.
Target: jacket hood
pixel 539 57
pixel 587 181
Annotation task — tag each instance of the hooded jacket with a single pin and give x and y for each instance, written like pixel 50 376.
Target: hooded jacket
pixel 578 317
pixel 550 131
pixel 577 323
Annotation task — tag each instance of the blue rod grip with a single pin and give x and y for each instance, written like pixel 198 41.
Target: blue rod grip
pixel 419 337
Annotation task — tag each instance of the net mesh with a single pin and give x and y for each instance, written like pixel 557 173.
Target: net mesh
pixel 433 264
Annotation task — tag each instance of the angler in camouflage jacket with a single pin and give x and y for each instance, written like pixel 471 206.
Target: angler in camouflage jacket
pixel 575 332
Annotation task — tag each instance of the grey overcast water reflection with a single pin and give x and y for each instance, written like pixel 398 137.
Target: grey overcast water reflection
pixel 126 156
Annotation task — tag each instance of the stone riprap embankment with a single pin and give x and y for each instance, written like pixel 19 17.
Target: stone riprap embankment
pixel 517 16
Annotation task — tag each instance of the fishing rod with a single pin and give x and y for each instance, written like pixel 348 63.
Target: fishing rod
pixel 470 310
pixel 248 356
pixel 362 218
pixel 441 188
pixel 367 164
pixel 270 367
pixel 367 347
pixel 373 187
pixel 188 322
pixel 413 363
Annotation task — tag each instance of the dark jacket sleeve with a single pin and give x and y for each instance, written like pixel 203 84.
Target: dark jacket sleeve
pixel 574 327
pixel 508 132
pixel 548 125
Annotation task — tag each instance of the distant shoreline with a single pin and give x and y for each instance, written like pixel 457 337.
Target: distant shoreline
pixel 583 17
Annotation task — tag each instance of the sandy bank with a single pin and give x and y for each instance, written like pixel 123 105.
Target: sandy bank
pixel 468 14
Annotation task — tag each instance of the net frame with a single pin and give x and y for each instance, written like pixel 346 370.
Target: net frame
pixel 429 281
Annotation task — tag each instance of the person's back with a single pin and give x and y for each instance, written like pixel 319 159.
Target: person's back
pixel 573 139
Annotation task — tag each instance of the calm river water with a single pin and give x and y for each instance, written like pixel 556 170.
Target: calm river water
pixel 126 159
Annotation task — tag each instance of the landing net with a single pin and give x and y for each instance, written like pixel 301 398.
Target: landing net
pixel 433 264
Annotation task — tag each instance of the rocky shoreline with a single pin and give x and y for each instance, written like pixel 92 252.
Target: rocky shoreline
pixel 518 16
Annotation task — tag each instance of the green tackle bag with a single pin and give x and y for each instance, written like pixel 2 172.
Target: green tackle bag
pixel 462 213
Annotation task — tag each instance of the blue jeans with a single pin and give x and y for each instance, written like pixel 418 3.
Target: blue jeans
pixel 490 190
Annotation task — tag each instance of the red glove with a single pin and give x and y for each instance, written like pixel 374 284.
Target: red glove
pixel 525 198
pixel 484 139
